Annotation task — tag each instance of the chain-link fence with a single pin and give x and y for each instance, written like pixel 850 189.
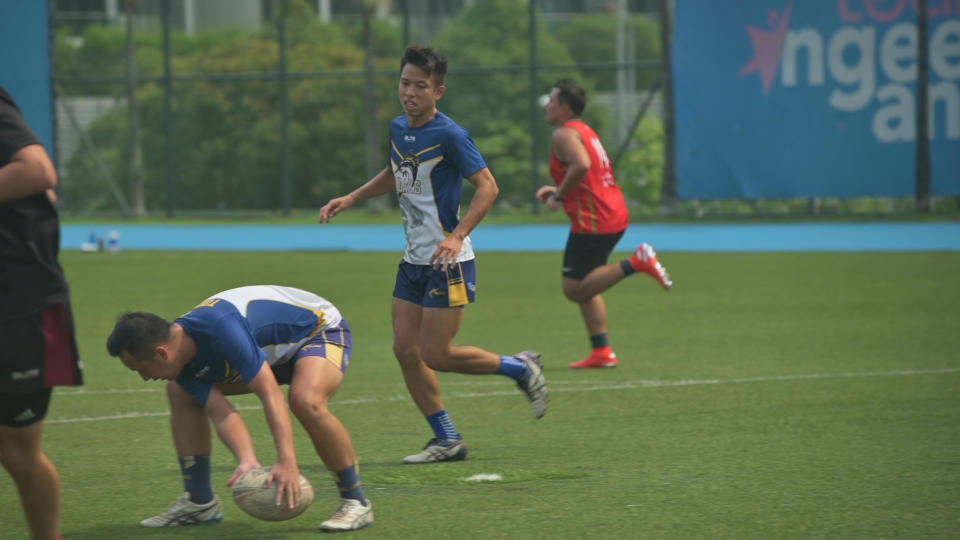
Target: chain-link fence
pixel 177 107
pixel 227 107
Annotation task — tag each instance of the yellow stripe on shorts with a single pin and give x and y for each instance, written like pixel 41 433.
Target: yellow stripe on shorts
pixel 334 352
pixel 456 288
pixel 335 355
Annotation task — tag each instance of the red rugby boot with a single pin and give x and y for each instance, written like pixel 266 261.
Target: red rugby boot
pixel 645 260
pixel 599 358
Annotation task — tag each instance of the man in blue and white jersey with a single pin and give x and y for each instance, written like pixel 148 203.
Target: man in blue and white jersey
pixel 429 158
pixel 249 339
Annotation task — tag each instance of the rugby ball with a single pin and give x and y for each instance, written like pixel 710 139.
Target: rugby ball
pixel 254 497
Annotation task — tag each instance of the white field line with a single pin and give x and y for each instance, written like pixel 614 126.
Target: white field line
pixel 556 387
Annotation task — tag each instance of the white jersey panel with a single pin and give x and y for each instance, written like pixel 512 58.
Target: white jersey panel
pixel 242 296
pixel 280 313
pixel 421 215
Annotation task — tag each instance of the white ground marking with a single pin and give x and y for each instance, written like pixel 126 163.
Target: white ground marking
pixel 555 387
pixel 484 477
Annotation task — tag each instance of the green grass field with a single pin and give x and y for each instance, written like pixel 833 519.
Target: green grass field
pixel 766 396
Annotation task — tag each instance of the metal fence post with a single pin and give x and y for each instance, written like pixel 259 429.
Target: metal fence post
pixel 170 168
pixel 668 198
pixel 133 119
pixel 534 116
pixel 284 120
pixel 923 140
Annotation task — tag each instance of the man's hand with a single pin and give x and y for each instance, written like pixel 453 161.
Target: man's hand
pixel 287 477
pixel 285 472
pixel 547 196
pixel 334 207
pixel 445 257
pixel 241 470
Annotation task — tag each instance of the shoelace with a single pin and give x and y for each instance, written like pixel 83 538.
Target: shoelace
pixel 341 511
pixel 172 510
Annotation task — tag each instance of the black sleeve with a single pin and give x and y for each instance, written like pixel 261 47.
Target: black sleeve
pixel 14 131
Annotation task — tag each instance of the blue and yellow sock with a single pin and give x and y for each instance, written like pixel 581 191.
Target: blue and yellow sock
pixel 442 426
pixel 196 478
pixel 348 482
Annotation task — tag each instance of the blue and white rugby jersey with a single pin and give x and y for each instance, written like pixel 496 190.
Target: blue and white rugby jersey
pixel 236 331
pixel 430 163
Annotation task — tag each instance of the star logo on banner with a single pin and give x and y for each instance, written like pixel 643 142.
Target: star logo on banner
pixel 767 47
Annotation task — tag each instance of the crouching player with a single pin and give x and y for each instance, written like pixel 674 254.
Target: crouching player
pixel 249 339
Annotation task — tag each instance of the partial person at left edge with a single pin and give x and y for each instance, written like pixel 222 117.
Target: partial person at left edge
pixel 36 322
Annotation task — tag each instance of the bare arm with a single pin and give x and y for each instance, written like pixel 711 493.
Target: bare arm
pixel 29 171
pixel 447 250
pixel 285 472
pixel 380 184
pixel 568 148
pixel 233 432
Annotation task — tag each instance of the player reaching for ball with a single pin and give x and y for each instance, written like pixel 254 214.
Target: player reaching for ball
pixel 249 339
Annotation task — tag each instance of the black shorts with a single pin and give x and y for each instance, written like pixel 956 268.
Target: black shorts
pixel 39 351
pixel 585 252
pixel 21 410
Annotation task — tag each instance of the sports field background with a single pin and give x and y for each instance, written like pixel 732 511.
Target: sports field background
pixel 769 395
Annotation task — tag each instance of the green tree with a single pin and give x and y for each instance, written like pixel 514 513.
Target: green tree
pixel 640 171
pixel 228 127
pixel 591 39
pixel 495 106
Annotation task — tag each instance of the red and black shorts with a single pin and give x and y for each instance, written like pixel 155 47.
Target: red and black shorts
pixel 39 352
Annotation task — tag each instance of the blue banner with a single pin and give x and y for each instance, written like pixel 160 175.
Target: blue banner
pixel 25 63
pixel 812 98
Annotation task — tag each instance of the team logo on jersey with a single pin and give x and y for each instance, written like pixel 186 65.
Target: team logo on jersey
pixel 413 218
pixel 607 179
pixel 406 174
pixel 230 375
pixel 210 302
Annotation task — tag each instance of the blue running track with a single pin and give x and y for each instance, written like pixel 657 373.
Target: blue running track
pixel 879 236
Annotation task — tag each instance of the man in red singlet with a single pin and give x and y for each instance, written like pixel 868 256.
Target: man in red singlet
pixel 590 196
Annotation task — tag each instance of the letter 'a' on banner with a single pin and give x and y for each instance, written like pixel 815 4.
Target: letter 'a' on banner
pixel 25 67
pixel 789 98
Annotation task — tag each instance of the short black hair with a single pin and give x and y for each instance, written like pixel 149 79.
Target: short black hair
pixel 427 59
pixel 571 94
pixel 137 333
